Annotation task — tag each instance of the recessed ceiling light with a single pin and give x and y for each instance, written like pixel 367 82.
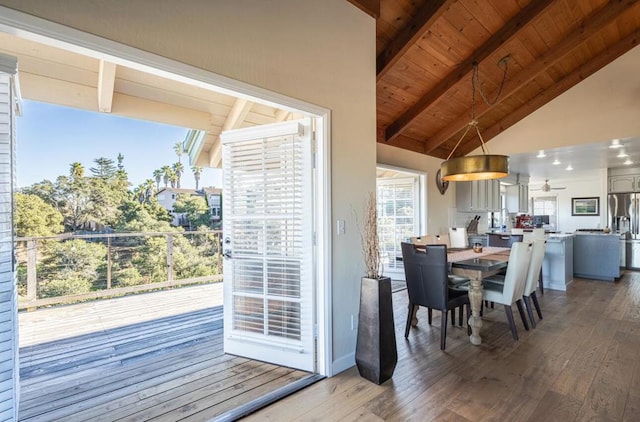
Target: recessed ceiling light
pixel 622 154
pixel 556 162
pixel 541 154
pixel 615 144
pixel 627 162
pixel 569 168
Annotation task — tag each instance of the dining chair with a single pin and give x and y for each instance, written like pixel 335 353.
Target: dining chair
pixel 426 273
pixel 458 237
pixel 533 275
pixel 443 239
pixel 421 240
pixel 509 289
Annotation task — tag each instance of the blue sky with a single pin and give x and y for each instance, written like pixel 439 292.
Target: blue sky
pixel 51 137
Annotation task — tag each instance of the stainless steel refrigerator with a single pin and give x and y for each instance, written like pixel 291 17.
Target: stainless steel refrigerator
pixel 624 218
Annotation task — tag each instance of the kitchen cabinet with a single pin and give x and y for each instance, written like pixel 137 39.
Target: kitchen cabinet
pixel 479 195
pixel 625 183
pixel 517 198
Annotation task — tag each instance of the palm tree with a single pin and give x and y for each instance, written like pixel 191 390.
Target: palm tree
pixel 178 149
pixel 173 178
pixel 197 170
pixel 148 189
pixel 157 174
pixel 178 169
pixel 166 172
pixel 76 171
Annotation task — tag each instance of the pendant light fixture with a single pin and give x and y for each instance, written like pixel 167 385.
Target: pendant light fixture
pixel 476 167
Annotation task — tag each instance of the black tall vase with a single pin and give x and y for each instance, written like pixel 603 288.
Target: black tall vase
pixel 376 353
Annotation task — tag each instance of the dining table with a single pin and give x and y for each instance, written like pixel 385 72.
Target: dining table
pixel 477 264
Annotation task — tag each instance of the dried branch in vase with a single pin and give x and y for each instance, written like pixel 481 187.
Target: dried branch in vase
pixel 369 239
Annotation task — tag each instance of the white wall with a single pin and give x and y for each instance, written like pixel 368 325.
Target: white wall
pixel 319 52
pixel 602 107
pixel 582 184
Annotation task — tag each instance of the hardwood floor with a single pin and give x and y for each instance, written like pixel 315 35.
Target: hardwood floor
pixel 581 363
pixel 155 356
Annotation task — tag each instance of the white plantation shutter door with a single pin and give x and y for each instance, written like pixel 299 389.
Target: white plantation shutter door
pixel 268 243
pixel 8 294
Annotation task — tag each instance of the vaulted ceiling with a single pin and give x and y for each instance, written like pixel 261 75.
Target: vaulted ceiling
pixel 426 50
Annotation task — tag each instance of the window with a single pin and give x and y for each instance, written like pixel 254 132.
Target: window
pixel 546 205
pixel 398 216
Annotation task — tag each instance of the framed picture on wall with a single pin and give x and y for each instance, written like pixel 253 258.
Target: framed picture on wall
pixel 585 206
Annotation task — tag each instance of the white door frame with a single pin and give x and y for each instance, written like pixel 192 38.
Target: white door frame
pixel 51 33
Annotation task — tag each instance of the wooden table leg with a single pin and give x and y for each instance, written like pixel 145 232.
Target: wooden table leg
pixel 475 297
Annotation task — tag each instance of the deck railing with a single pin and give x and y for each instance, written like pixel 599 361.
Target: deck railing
pixel 70 268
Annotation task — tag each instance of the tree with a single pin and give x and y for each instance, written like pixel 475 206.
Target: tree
pixel 178 149
pixel 178 169
pixel 195 208
pixel 166 174
pixel 148 190
pixel 197 170
pixel 173 178
pixel 104 169
pixel 76 171
pixel 120 161
pixel 73 200
pixel 45 190
pixel 157 175
pixel 35 217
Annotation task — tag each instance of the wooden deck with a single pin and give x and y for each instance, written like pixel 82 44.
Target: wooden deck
pixel 581 363
pixel 154 356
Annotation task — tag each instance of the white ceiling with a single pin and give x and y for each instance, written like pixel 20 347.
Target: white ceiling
pixel 580 157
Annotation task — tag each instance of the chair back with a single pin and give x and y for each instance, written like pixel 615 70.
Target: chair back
pixel 533 274
pixel 458 237
pixel 515 278
pixel 426 274
pixel 421 240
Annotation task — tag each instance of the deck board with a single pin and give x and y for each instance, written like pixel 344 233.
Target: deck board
pixel 149 356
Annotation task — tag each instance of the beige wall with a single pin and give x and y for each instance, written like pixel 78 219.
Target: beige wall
pixel 322 52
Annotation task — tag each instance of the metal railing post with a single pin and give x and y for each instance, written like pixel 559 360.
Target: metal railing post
pixel 170 257
pixel 32 276
pixel 108 262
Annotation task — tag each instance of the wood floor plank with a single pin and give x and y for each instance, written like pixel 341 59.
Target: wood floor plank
pixel 566 369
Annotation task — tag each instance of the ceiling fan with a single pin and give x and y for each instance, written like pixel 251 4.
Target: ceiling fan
pixel 547 188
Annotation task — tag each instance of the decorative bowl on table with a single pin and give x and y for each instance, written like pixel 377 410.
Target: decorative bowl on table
pixel 477 247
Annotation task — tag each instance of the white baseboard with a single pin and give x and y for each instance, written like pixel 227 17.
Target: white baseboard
pixel 343 363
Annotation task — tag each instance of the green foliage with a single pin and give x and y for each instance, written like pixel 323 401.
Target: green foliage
pixel 73 259
pixel 129 276
pixel 34 217
pixel 65 286
pixel 105 168
pixel 195 208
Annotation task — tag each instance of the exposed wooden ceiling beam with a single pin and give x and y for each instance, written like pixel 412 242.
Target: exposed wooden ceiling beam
pixel 370 7
pixel 590 26
pixel 410 34
pixel 407 143
pixel 235 118
pixel 506 33
pixel 106 82
pixel 578 75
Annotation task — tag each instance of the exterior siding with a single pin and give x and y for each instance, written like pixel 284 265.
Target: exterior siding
pixel 9 373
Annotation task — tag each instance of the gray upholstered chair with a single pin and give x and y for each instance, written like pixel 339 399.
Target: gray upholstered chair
pixel 427 276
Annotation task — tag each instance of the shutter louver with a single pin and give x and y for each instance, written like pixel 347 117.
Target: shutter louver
pixel 267 215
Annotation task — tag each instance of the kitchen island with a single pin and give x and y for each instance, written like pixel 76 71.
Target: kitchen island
pixel 557 266
pixel 597 256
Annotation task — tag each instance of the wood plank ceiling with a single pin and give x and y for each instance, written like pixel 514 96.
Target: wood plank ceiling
pixel 426 50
